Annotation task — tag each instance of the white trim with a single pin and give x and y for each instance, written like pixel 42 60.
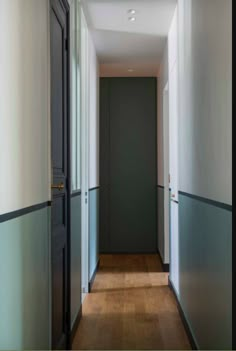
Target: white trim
pixel 84 153
pixel 165 97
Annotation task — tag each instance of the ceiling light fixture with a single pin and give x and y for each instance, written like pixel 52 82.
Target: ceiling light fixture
pixel 131 12
pixel 132 19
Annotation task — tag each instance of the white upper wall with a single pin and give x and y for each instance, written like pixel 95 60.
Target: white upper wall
pixel 93 116
pixel 129 70
pixel 24 104
pixel 172 42
pixel 162 81
pixel 205 122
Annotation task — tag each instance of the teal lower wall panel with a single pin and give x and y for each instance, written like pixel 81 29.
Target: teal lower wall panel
pixel 25 282
pixel 75 257
pixel 205 272
pixel 160 220
pixel 93 230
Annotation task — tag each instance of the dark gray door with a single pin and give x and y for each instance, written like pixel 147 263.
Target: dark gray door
pixel 128 164
pixel 59 144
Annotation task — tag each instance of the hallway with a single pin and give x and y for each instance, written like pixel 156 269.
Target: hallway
pixel 116 191
pixel 130 307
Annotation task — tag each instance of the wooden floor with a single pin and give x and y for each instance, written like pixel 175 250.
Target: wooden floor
pixel 131 307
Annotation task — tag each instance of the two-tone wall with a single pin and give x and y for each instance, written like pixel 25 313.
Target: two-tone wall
pixel 162 159
pixel 93 159
pixel 75 69
pixel 205 158
pixel 89 151
pixel 24 176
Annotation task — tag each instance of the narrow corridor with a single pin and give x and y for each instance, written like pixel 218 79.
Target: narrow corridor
pixel 116 137
pixel 130 307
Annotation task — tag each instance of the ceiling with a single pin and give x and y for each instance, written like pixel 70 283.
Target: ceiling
pixel 122 44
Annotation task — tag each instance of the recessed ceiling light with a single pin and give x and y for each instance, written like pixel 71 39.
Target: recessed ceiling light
pixel 132 19
pixel 131 12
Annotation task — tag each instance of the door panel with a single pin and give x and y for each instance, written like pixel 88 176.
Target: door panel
pixel 59 121
pixel 131 165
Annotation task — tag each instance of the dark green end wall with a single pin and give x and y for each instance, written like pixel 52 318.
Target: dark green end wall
pixel 205 265
pixel 128 165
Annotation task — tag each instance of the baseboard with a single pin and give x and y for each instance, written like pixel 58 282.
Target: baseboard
pixel 127 253
pixel 183 318
pixel 75 325
pixel 165 266
pixel 93 277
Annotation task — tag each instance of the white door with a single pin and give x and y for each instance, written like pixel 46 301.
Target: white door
pixel 84 154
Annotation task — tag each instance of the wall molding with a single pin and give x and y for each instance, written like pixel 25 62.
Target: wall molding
pixel 183 318
pixel 110 252
pixel 94 188
pixel 75 325
pixel 165 266
pixel 160 186
pixel 75 193
pixel 93 276
pixel 23 211
pixel 176 202
pixel 207 201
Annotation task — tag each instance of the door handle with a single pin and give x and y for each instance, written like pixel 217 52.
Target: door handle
pixel 58 186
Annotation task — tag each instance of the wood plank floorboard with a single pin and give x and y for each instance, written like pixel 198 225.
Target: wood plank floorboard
pixel 130 307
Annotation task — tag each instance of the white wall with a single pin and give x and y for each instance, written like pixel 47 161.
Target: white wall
pixel 205 140
pixel 89 146
pixel 75 72
pixel 173 150
pixel 90 102
pixel 205 167
pixel 166 165
pixel 24 175
pixel 162 81
pixel 24 104
pixel 163 205
pixel 93 116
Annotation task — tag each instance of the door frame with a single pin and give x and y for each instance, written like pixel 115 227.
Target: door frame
pixel 166 171
pixel 66 6
pixel 84 113
pixel 233 201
